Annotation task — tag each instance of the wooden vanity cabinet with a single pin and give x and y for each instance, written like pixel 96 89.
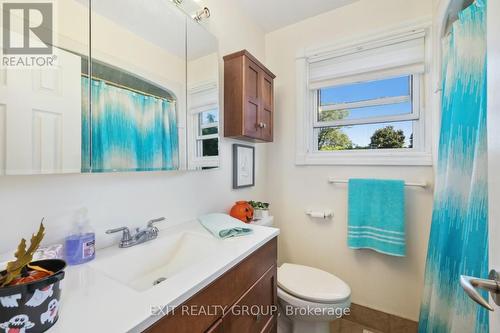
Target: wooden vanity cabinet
pixel 248 98
pixel 248 286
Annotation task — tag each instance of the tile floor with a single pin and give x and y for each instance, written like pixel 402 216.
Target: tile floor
pixel 365 320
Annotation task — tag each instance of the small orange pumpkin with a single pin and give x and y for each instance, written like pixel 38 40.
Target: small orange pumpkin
pixel 242 211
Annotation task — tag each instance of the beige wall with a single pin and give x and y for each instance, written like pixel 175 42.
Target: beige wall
pixel 386 283
pixel 132 198
pixel 202 70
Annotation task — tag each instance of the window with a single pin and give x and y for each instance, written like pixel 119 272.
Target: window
pixel 207 143
pixel 380 114
pixel 364 103
pixel 203 126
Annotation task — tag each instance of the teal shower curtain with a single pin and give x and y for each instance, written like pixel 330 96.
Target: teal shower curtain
pixel 129 131
pixel 458 241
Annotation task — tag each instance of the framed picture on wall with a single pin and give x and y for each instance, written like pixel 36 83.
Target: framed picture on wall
pixel 243 166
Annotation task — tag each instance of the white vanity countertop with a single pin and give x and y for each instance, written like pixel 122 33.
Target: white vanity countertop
pixel 92 301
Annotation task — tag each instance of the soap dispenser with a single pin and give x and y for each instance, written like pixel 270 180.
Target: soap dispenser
pixel 80 244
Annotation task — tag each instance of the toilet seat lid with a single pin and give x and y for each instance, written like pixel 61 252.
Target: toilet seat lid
pixel 312 284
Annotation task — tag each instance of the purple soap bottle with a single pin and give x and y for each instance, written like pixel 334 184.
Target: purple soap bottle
pixel 79 246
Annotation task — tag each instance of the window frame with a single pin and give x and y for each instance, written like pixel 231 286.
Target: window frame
pixel 207 93
pixel 307 152
pixel 199 127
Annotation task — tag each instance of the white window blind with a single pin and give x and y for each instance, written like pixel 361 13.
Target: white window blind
pixel 395 55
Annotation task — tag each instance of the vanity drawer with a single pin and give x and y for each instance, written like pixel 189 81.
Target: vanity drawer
pixel 256 310
pixel 221 293
pixel 270 327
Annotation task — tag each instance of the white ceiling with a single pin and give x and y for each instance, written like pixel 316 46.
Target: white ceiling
pixel 275 14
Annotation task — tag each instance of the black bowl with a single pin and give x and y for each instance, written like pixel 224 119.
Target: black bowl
pixel 32 307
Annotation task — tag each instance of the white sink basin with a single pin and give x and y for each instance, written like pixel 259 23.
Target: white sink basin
pixel 143 266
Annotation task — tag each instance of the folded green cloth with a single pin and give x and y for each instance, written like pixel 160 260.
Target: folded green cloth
pixel 224 226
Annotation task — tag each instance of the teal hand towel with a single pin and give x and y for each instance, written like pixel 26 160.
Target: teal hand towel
pixel 224 226
pixel 376 216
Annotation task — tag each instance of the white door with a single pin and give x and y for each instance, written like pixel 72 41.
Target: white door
pixel 494 146
pixel 40 118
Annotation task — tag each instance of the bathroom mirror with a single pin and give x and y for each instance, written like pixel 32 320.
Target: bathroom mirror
pixel 138 87
pixel 202 97
pixel 134 89
pixel 41 89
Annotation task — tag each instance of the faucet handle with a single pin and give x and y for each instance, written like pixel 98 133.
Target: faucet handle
pixel 153 221
pixel 126 233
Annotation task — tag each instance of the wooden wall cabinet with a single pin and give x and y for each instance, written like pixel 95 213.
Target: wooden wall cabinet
pixel 251 283
pixel 248 98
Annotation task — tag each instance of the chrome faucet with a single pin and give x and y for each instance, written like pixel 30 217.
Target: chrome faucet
pixel 140 236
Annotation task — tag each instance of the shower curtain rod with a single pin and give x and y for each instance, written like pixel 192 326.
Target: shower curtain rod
pixel 451 15
pixel 127 88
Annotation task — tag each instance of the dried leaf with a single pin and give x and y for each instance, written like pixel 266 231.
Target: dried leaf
pixel 40 269
pixel 36 240
pixel 23 257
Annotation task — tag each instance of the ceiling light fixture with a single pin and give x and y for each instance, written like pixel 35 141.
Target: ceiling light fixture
pixel 202 14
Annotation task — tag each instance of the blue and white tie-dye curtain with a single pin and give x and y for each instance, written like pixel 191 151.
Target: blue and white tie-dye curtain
pixel 458 241
pixel 130 131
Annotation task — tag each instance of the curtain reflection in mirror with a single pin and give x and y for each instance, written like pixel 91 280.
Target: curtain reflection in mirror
pixel 130 131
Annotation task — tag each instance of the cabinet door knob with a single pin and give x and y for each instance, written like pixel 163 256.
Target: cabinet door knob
pixel 264 125
pixel 261 125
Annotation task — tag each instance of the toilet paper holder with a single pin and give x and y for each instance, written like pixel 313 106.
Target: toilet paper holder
pixel 320 214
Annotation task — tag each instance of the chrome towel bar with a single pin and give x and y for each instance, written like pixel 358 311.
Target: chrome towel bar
pixel 344 181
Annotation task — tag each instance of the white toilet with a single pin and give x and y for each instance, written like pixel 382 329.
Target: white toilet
pixel 309 297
